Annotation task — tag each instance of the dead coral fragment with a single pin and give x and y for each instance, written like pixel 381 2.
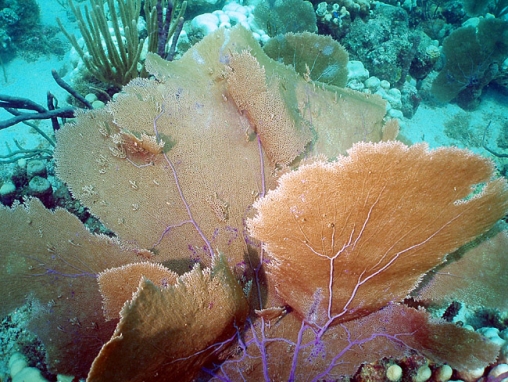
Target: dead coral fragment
pixel 348 237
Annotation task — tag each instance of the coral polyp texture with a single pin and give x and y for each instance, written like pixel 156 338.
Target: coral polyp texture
pixel 265 229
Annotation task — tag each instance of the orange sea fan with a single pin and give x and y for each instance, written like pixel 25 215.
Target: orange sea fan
pixel 117 285
pixel 346 238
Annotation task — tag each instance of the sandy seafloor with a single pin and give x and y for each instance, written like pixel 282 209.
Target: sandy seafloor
pixel 33 79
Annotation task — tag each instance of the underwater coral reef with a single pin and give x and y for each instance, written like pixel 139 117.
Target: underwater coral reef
pixel 249 209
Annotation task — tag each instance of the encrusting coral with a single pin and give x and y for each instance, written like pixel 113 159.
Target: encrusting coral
pixel 174 167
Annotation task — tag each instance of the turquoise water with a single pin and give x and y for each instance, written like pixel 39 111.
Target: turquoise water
pixel 439 68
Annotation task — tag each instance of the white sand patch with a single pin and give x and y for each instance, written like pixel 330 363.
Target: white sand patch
pixel 450 125
pixel 33 80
